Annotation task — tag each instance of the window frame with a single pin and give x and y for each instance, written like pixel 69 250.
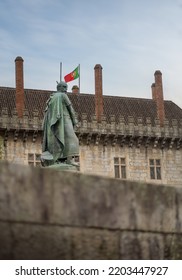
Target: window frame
pixel 32 159
pixel 155 169
pixel 120 166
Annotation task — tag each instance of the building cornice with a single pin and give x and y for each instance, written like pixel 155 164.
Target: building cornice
pixel 125 132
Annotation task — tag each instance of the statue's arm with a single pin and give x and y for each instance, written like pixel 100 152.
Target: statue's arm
pixel 72 114
pixel 70 110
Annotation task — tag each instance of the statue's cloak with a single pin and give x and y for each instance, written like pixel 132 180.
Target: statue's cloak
pixel 59 138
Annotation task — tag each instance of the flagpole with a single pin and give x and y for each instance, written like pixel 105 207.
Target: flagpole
pixel 60 71
pixel 79 77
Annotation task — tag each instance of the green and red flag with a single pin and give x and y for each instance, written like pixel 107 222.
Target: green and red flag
pixel 72 76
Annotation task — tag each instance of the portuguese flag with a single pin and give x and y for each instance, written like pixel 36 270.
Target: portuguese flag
pixel 72 76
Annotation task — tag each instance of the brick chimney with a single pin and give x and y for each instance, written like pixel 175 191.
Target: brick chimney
pixel 19 86
pixel 98 92
pixel 157 96
pixel 75 89
pixel 153 91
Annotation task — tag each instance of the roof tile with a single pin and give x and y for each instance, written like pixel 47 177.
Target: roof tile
pixel 85 103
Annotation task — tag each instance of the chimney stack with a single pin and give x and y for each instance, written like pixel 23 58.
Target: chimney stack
pixel 75 89
pixel 19 86
pixel 157 96
pixel 98 92
pixel 153 91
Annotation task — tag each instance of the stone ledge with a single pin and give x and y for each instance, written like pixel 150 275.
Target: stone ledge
pixel 45 214
pixel 73 199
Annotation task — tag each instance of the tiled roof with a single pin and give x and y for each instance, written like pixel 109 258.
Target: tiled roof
pixel 85 103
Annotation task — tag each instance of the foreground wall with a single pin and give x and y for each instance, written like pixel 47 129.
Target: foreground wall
pixel 46 214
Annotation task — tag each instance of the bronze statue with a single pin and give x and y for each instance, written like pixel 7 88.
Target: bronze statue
pixel 60 143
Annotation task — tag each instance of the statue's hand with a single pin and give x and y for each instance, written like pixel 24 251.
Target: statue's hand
pixel 76 126
pixel 75 123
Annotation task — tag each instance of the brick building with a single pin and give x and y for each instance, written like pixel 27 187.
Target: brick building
pixel 122 137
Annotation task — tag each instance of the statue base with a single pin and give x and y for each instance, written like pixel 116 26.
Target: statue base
pixel 63 167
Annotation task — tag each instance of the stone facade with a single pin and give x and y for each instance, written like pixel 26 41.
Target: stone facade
pixel 101 142
pixel 137 144
pixel 1 148
pixel 100 160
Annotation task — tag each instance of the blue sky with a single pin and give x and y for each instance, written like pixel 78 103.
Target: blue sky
pixel 130 39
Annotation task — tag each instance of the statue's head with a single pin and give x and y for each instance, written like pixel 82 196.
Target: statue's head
pixel 62 86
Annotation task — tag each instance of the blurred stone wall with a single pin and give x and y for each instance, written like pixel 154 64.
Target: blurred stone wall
pixel 47 214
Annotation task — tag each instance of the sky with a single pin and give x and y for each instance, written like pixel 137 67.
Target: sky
pixel 131 39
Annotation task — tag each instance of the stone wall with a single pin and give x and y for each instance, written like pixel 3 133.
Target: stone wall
pixel 99 159
pixel 136 140
pixel 46 214
pixel 16 150
pixel 1 148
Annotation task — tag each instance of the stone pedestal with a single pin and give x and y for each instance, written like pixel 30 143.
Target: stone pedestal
pixel 63 167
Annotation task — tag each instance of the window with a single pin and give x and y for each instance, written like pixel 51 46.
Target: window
pixel 155 169
pixel 34 159
pixel 120 167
